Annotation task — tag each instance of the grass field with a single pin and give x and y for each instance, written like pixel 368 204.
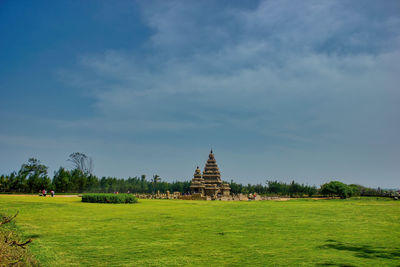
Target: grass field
pixel 68 232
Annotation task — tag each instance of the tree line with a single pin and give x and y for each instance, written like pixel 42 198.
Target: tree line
pixel 33 177
pixel 275 188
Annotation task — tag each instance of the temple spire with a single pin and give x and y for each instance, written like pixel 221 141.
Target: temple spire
pixel 210 183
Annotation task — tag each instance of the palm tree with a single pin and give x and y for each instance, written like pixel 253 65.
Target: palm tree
pixel 155 180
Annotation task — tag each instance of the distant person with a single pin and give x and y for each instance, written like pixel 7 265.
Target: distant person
pixel 43 192
pixel 52 193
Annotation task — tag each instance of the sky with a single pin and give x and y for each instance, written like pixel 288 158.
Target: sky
pixel 280 90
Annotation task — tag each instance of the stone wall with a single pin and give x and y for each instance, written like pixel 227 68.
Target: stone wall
pixel 177 195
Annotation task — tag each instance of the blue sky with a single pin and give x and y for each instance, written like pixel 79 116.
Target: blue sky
pixel 303 90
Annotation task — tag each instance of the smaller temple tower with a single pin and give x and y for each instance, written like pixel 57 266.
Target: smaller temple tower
pixel 197 186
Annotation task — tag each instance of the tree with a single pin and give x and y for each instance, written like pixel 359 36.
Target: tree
pixel 143 184
pixel 235 187
pixel 36 175
pixel 4 183
pixel 155 180
pixel 16 183
pixel 82 162
pixel 311 190
pixel 295 189
pixel 78 180
pixel 277 188
pixel 356 189
pixel 92 183
pixel 62 180
pixel 336 188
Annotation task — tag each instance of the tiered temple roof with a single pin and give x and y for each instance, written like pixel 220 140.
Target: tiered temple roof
pixel 210 183
pixel 197 185
pixel 211 174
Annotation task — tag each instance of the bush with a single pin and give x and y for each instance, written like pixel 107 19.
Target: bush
pixel 109 198
pixel 336 188
pixel 13 250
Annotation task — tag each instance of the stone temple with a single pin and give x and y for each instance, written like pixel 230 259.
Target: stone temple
pixel 210 183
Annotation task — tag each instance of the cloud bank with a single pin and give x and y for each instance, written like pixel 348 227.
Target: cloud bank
pixel 303 89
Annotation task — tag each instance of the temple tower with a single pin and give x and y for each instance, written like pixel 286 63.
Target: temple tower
pixel 211 174
pixel 210 183
pixel 197 186
pixel 212 178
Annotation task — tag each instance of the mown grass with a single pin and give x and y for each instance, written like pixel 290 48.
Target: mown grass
pixel 67 232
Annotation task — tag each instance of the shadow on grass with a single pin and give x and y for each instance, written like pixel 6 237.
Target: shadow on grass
pixel 34 236
pixel 334 264
pixel 364 251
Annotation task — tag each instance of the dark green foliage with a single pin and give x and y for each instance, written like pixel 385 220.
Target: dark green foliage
pixel 278 188
pixel 109 198
pixel 275 188
pixel 356 189
pixel 336 188
pixel 92 183
pixel 35 175
pixel 311 190
pixel 235 187
pixel 155 181
pixel 78 180
pixel 62 180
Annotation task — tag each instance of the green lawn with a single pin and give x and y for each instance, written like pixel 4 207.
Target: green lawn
pixel 68 232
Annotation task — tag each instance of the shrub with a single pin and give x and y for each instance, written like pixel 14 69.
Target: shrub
pixel 13 251
pixel 336 188
pixel 109 198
